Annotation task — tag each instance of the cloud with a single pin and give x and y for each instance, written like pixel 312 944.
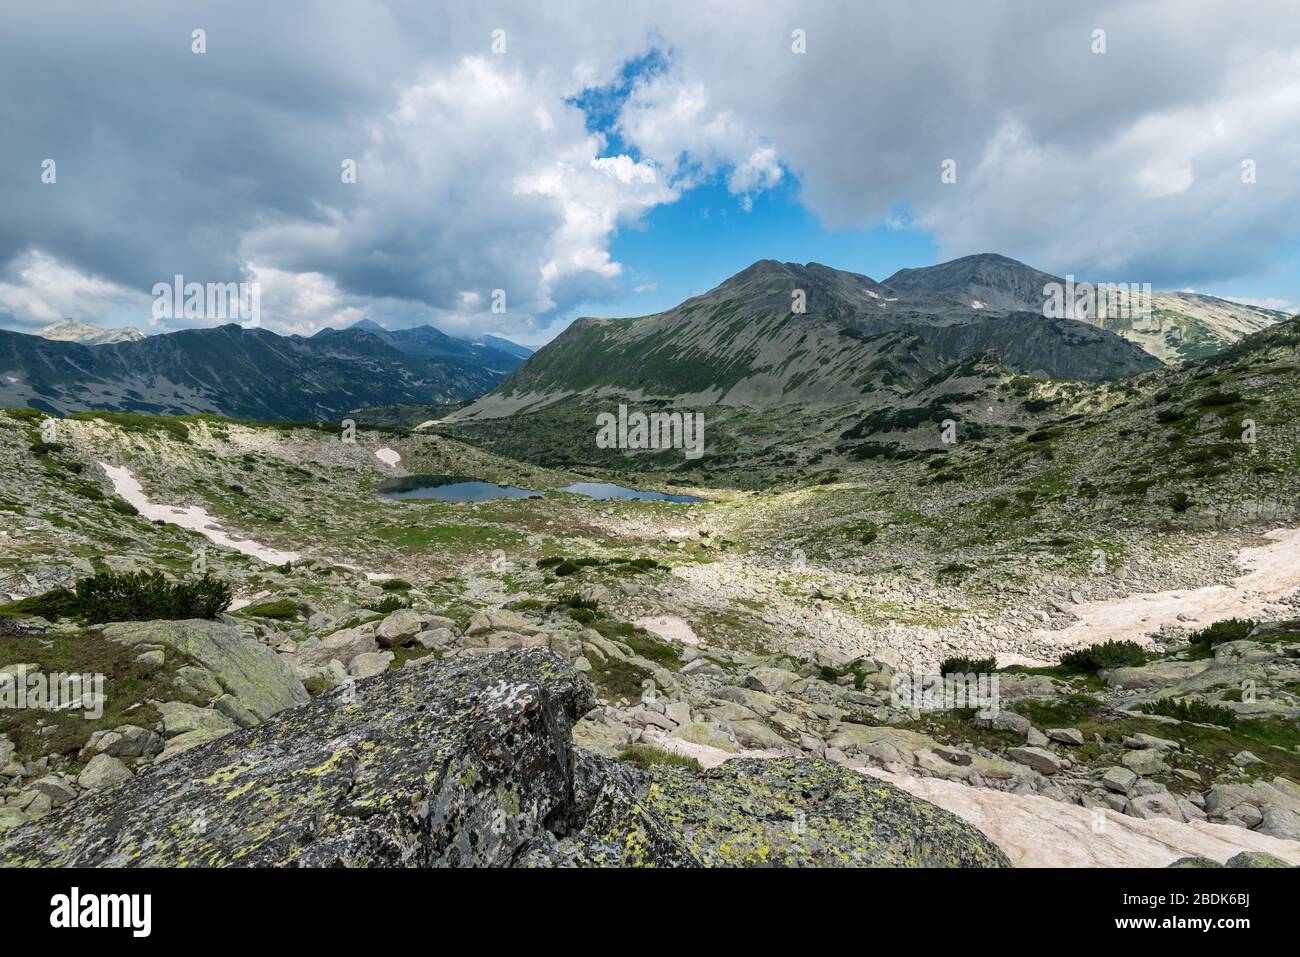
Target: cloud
pixel 36 290
pixel 1280 305
pixel 477 171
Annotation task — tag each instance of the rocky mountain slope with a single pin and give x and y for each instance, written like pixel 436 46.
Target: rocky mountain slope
pixel 470 763
pixel 768 624
pixel 251 373
pixel 1181 326
pixel 70 330
pixel 744 343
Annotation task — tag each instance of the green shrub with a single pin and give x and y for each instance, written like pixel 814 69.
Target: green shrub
pixel 122 506
pixel 59 603
pixel 1107 655
pixel 1180 501
pixel 391 603
pixel 961 665
pixel 281 609
pixel 550 562
pixel 143 596
pixel 644 756
pixel 1231 629
pixel 1192 710
pixel 395 584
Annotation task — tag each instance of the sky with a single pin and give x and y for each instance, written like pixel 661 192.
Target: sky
pixel 519 164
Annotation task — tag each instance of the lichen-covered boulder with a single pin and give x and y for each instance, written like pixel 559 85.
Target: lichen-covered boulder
pixel 788 812
pixel 470 762
pixel 459 764
pixel 248 670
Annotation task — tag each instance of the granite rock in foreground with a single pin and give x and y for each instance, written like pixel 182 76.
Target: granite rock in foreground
pixel 470 762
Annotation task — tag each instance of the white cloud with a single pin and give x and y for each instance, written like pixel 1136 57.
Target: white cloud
pixel 476 173
pixel 479 179
pixel 38 289
pixel 1281 305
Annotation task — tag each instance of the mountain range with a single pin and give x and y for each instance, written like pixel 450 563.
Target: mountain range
pixel 746 343
pixel 70 330
pixel 774 334
pixel 250 373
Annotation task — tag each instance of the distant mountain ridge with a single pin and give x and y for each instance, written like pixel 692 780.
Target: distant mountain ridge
pixel 249 373
pixel 426 342
pixel 71 330
pixel 745 342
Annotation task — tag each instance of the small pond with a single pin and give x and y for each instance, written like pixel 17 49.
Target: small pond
pixel 449 488
pixel 604 490
pixel 445 488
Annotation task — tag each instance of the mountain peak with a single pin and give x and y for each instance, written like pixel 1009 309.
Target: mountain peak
pixel 72 330
pixel 992 280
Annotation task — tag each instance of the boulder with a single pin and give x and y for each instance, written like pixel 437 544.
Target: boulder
pixel 247 669
pixel 1143 763
pixel 1157 674
pixel 771 680
pixel 470 761
pixel 789 812
pixel 103 771
pixel 341 646
pixel 1065 735
pixel 1040 759
pixel 370 664
pixel 1118 780
pixel 1150 806
pixel 399 628
pixel 180 717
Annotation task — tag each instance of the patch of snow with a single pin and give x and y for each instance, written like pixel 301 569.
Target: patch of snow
pixel 976 304
pixel 239 603
pixel 195 518
pixel 670 628
pixel 1036 831
pixel 1272 574
pixel 388 456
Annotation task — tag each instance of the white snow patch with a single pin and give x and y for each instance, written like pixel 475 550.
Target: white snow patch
pixel 1036 831
pixel 239 603
pixel 388 456
pixel 195 518
pixel 1272 574
pixel 671 628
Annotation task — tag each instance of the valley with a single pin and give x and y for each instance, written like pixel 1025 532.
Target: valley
pixel 1121 553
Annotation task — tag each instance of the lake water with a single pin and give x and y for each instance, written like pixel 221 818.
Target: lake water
pixel 605 490
pixel 447 488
